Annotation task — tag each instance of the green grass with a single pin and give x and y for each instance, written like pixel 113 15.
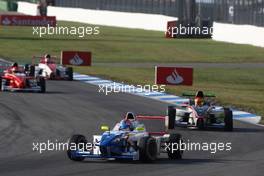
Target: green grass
pixel 242 88
pixel 125 45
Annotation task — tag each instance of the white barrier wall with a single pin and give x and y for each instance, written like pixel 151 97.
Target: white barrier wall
pixel 103 17
pixel 240 34
pixel 27 8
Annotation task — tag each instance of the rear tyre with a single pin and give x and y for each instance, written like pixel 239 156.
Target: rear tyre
pixel 75 140
pixel 52 76
pixel 26 68
pixel 42 84
pixel 32 71
pixel 228 119
pixel 40 72
pixel 200 124
pixel 70 73
pixel 174 140
pixel 171 117
pixel 147 147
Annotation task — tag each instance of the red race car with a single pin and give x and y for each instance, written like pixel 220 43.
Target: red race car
pixel 18 78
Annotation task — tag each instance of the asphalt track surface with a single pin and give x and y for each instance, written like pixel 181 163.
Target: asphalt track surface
pixel 75 107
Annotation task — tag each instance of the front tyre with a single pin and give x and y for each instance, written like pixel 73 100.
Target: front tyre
pixel 75 140
pixel 42 84
pixel 171 117
pixel 175 140
pixel 1 84
pixel 70 73
pixel 228 119
pixel 147 147
pixel 200 124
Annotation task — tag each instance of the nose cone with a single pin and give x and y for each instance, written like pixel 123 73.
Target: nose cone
pixel 107 138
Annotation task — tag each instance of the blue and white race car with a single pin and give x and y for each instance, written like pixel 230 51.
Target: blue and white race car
pixel 127 143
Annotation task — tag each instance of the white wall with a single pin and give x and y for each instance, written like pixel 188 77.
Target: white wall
pixel 240 34
pixel 27 8
pixel 103 17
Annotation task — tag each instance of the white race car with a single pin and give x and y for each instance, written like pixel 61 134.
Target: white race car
pixel 51 70
pixel 203 117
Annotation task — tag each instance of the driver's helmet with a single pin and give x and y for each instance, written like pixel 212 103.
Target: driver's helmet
pixel 47 58
pixel 130 116
pixel 14 67
pixel 199 98
pixel 127 122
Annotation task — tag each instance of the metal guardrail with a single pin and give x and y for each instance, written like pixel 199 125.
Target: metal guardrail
pixel 166 7
pixel 33 1
pixel 227 11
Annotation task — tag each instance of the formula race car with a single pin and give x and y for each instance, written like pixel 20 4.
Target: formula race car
pixel 203 115
pixel 48 68
pixel 21 79
pixel 136 144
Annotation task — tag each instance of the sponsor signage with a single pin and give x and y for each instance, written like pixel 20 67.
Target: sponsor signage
pixel 170 26
pixel 174 76
pixel 78 58
pixel 27 20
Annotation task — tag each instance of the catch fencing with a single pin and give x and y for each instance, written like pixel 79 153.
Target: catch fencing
pixel 226 11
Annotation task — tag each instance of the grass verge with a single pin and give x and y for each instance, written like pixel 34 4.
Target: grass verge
pixel 124 45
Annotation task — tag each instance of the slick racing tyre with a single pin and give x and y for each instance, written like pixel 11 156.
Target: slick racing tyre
pixel 42 84
pixel 200 124
pixel 26 67
pixel 70 73
pixel 174 141
pixel 1 87
pixel 52 76
pixel 147 147
pixel 171 117
pixel 32 70
pixel 228 119
pixel 3 83
pixel 74 142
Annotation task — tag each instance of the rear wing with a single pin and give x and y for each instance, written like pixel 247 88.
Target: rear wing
pixel 159 125
pixel 40 59
pixel 192 94
pixel 155 125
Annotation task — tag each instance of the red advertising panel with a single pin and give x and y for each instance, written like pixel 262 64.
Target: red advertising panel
pixel 174 76
pixel 170 26
pixel 27 20
pixel 78 58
